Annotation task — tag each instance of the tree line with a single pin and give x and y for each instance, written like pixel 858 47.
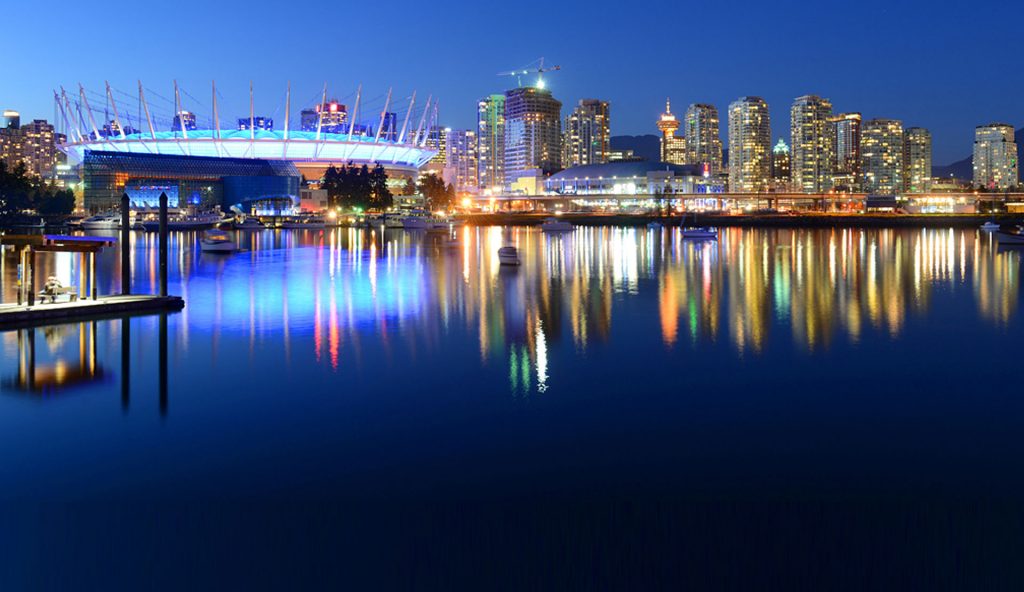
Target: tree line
pixel 22 193
pixel 365 188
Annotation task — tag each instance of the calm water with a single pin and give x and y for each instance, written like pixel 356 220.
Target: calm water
pixel 789 365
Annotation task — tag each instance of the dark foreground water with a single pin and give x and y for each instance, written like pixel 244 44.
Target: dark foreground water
pixel 621 403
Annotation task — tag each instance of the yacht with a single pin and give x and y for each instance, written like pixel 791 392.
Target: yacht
pixel 556 225
pixel 104 221
pixel 508 255
pixel 394 221
pixel 197 221
pixel 217 241
pixel 250 224
pixel 990 225
pixel 304 223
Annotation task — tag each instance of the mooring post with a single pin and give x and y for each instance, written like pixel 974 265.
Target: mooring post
pixel 126 263
pixel 163 364
pixel 93 284
pixel 30 273
pixel 163 245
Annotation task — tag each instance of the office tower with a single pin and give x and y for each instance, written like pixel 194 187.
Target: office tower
pixel 183 118
pixel 490 121
pixel 462 160
pixel 750 145
pixel 917 160
pixel 533 132
pixel 673 147
pixel 587 136
pixel 995 156
pixel 703 142
pixel 781 166
pixel 881 155
pixel 10 119
pixel 330 116
pixel 813 152
pixel 258 122
pixel 846 129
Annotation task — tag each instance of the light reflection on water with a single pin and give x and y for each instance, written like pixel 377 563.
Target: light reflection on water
pixel 321 341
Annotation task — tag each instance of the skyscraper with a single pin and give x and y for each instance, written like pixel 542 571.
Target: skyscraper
pixel 533 132
pixel 437 139
pixel 10 119
pixel 703 142
pixel 185 119
pixel 995 156
pixel 917 160
pixel 330 116
pixel 881 154
pixel 781 166
pixel 34 145
pixel 490 120
pixel 846 129
pixel 750 145
pixel 462 160
pixel 587 136
pixel 673 148
pixel 812 141
pixel 257 122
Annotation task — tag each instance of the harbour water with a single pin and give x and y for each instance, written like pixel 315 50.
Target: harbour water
pixel 800 366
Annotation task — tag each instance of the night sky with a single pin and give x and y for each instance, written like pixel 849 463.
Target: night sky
pixel 945 68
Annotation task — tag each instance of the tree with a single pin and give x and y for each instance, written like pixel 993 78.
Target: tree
pixel 410 188
pixel 55 202
pixel 438 195
pixel 380 195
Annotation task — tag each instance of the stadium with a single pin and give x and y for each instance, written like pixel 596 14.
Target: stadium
pixel 126 144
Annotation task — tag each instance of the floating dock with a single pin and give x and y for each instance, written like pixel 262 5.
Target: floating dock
pixel 14 316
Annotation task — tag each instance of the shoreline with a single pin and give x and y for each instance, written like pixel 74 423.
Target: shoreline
pixel 759 220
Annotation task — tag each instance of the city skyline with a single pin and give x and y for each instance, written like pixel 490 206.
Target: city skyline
pixel 633 83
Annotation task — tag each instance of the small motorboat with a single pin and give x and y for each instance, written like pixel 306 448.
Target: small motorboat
pixel 508 255
pixel 991 225
pixel 556 225
pixel 1014 237
pixel 304 223
pixel 104 221
pixel 700 233
pixel 217 241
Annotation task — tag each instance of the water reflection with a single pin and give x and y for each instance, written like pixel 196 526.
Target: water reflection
pixel 326 295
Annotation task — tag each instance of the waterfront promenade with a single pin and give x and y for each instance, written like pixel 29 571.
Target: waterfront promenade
pixel 796 220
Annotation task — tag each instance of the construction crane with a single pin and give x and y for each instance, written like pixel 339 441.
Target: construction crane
pixel 535 67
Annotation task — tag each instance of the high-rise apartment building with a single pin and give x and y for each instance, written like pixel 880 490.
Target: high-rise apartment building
pixel 257 122
pixel 490 120
pixel 881 154
pixel 331 117
pixel 750 145
pixel 533 132
pixel 462 161
pixel 703 142
pixel 995 156
pixel 437 139
pixel 34 145
pixel 673 147
pixel 781 166
pixel 813 152
pixel 917 160
pixel 183 120
pixel 846 129
pixel 586 135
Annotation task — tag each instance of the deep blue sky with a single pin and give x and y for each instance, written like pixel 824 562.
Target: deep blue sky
pixel 947 68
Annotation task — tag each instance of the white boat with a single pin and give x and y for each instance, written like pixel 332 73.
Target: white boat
pixel 556 225
pixel 310 223
pixel 417 223
pixel 217 241
pixel 508 255
pixel 393 221
pixel 991 225
pixel 198 221
pixel 250 224
pixel 104 221
pixel 1014 237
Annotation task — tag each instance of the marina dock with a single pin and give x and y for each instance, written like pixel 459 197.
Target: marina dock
pixel 15 316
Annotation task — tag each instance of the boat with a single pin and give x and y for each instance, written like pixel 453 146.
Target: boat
pixel 102 221
pixel 417 223
pixel 508 255
pixel 655 225
pixel 1014 237
pixel 556 225
pixel 217 241
pixel 250 224
pixel 991 225
pixel 393 221
pixel 304 223
pixel 197 221
pixel 697 232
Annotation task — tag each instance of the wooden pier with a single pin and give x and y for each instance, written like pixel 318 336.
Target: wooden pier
pixel 15 316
